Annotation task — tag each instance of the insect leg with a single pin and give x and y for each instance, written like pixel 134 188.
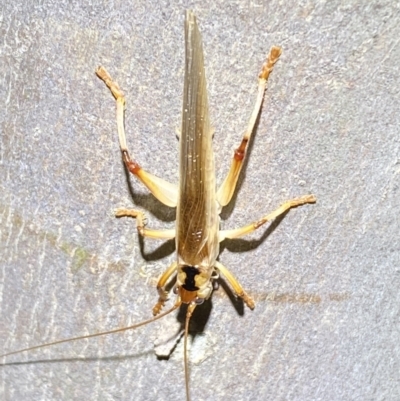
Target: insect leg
pixel 240 292
pixel 164 191
pixel 162 282
pixel 140 225
pixel 239 232
pixel 225 192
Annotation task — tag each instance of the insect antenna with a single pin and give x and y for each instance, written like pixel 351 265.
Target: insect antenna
pixel 135 326
pixel 189 313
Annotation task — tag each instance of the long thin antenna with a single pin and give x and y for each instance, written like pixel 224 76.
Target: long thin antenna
pixel 189 313
pixel 135 326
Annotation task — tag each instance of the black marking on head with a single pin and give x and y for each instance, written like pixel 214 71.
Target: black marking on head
pixel 191 273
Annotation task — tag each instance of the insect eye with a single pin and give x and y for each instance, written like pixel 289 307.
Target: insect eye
pixel 215 275
pixel 199 301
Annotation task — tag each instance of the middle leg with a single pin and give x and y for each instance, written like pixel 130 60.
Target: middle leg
pixel 140 225
pixel 239 232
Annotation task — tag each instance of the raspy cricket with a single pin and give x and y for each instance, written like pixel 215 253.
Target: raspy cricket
pixel 193 275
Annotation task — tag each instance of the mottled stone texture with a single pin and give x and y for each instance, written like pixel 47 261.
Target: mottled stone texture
pixel 326 277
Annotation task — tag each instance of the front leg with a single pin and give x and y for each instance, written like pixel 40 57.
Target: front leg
pixel 162 282
pixel 237 288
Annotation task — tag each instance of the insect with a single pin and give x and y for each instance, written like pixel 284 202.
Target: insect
pixel 198 204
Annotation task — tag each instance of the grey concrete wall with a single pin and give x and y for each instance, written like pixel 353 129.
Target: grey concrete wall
pixel 325 278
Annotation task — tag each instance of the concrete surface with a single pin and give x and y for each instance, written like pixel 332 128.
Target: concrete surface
pixel 326 277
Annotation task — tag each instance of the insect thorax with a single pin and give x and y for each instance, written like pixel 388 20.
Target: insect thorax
pixel 194 283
